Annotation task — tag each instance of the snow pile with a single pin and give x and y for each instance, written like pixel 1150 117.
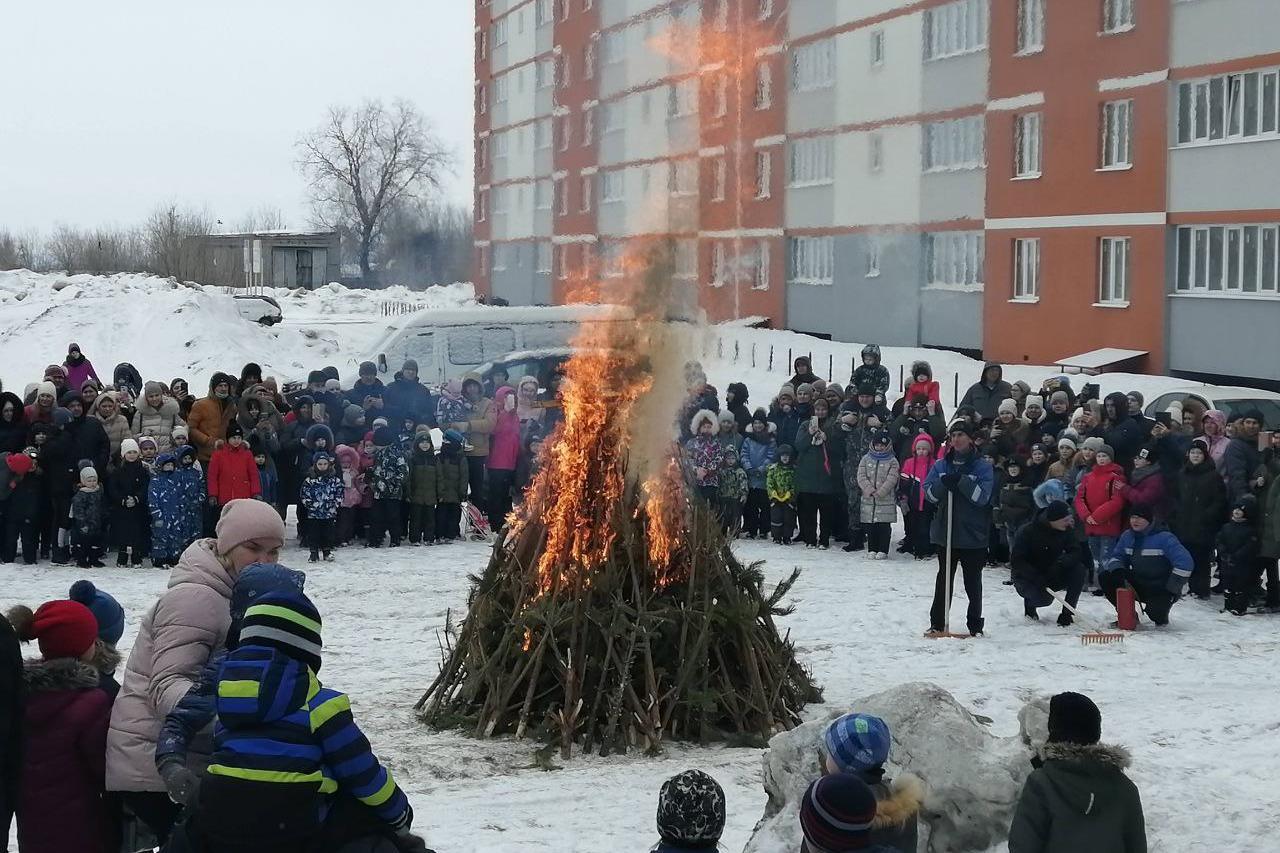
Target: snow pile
pixel 167 328
pixel 972 778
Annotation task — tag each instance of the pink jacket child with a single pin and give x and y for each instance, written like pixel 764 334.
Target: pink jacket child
pixel 366 463
pixel 926 386
pixel 915 470
pixel 352 476
pixel 504 444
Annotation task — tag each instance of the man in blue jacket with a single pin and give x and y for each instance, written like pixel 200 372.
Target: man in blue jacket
pixel 965 480
pixel 1150 559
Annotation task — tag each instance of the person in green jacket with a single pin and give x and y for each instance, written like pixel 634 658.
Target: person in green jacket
pixel 423 490
pixel 780 483
pixel 1078 798
pixel 819 461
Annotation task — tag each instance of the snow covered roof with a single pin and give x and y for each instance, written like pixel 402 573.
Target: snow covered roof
pixel 1100 358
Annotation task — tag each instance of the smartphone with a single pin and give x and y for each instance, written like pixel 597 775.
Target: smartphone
pixel 1165 418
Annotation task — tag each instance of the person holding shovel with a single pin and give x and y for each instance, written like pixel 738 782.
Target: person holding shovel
pixel 960 485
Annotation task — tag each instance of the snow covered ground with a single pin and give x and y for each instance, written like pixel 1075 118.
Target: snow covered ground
pixel 1195 702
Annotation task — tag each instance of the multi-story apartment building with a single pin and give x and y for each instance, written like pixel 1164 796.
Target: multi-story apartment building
pixel 1032 179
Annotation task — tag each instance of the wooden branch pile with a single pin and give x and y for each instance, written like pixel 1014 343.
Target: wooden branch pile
pixel 608 661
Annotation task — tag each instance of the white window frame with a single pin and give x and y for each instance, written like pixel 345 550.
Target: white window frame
pixel 813 66
pixel 720 96
pixel 482 45
pixel 561 191
pixel 763 263
pixel 565 126
pixel 543 194
pixel 613 186
pixel 955 144
pixel 542 259
pixel 811 261
pixel 500 32
pixel 588 188
pixel 482 205
pixel 613 47
pixel 545 13
pixel 482 152
pixel 684 176
pixel 1026 269
pixel 685 258
pixel 612 117
pixel 1254 271
pixel 1117 134
pixel 764 85
pixel 562 262
pixel 501 144
pixel 873 257
pixel 1030 27
pixel 500 89
pixel 719 179
pixel 719 264
pixel 498 257
pixel 877 48
pixel 764 174
pixel 682 98
pixel 482 99
pixel 612 255
pixel 811 161
pixel 588 126
pixel 1028 145
pixel 589 60
pixel 1214 110
pixel 875 151
pixel 1115 270
pixel 955 260
pixel 956 28
pixel 1117 16
pixel 542 134
pixel 544 74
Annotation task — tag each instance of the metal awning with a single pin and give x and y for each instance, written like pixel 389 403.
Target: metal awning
pixel 1099 358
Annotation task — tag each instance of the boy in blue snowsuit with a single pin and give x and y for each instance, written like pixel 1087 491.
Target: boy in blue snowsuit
pixel 175 496
pixel 321 494
pixel 1151 560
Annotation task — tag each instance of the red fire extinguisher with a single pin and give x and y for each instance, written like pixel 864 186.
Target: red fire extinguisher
pixel 1126 609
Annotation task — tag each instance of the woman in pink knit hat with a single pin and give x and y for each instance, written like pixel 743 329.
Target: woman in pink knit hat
pixel 175 639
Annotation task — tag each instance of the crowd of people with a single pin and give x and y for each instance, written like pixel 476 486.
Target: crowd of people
pixel 1071 491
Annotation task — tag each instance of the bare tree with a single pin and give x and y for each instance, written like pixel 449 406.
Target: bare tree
pixel 170 249
pixel 425 244
pixel 262 218
pixel 363 163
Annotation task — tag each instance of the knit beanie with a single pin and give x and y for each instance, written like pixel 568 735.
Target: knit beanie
pixel 63 628
pixel 234 430
pixel 1066 442
pixel 1094 443
pixel 1142 511
pixel 245 520
pixel 409 364
pixel 760 416
pixel 1056 511
pixel 1059 397
pixel 106 610
pixel 787 390
pixel 47 387
pixel 837 812
pixel 804 388
pixel 1074 718
pixel 88 474
pixel 1035 400
pixel 384 437
pixel 1009 405
pixel 143 443
pixel 857 742
pixel 836 387
pixel 62 417
pixel 332 385
pixel 287 622
pixel 368 368
pixel 1200 443
pixel 152 387
pixel 19 463
pixel 726 417
pixel 129 446
pixel 1071 434
pixel 1106 448
pixel 691 811
pixel 254 582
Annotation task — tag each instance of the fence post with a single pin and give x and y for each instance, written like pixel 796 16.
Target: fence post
pixel 831 366
pixel 853 367
pixel 719 347
pixel 735 351
pixel 902 378
pixel 753 356
pixel 771 358
pixel 789 361
pixel 955 392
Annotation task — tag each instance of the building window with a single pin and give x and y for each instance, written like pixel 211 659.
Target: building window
pixel 588 125
pixel 721 95
pixel 1026 269
pixel 762 264
pixel 1113 275
pixel 612 256
pixel 684 176
pixel 564 128
pixel 682 98
pixel 613 47
pixel 1230 259
pixel 720 20
pixel 813 66
pixel 482 260
pixel 811 260
pixel 764 85
pixel 719 264
pixel 1030 26
pixel 764 9
pixel 1117 134
pixel 588 191
pixel 589 60
pixel 542 192
pixel 544 73
pixel 1117 16
pixel 501 256
pixel 955 28
pixel 500 32
pixel 482 152
pixel 564 71
pixel 482 45
pixel 764 174
pixel 500 85
pixel 543 13
pixel 812 161
pixel 500 200
pixel 613 185
pixel 562 197
pixel 1229 106
pixel 685 259
pixel 954 259
pixel 482 205
pixel 877 48
pixel 544 256
pixel 611 116
pixel 958 143
pixel 482 100
pixel 501 144
pixel 873 257
pixel 542 134
pixel 719 179
pixel 1026 145
pixel 875 151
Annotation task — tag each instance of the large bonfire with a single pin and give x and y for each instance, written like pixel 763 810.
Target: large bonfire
pixel 612 613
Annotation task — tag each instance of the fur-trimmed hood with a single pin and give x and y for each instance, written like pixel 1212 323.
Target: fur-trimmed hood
pixel 1106 754
pixel 703 415
pixel 46 676
pixel 906 797
pixel 106 659
pixel 1085 778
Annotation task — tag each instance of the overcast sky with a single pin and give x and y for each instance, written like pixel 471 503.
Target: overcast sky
pixel 110 108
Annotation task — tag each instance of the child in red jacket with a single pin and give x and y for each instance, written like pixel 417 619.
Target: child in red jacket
pixel 1100 505
pixel 233 475
pixel 922 382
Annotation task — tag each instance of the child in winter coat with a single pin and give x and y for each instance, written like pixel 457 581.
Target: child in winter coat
pixel 452 487
pixel 1100 505
pixel 268 477
pixel 424 491
pixel 922 382
pixel 387 477
pixel 732 490
pixel 319 439
pixel 1066 455
pixel 127 491
pixel 321 493
pixel 88 521
pixel 858 745
pixel 150 452
pixel 728 435
pixel 1237 555
pixel 352 487
pixel 19 504
pixel 878 481
pixel 232 474
pixel 1146 487
pixel 61 803
pixel 702 456
pixel 780 483
pixel 1017 499
pixel 175 495
pixel 759 450
pixel 916 510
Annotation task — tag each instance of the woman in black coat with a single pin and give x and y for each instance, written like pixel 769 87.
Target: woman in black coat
pixel 1199 510
pixel 1120 430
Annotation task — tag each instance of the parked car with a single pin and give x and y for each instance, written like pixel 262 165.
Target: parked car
pixel 1225 399
pixel 259 309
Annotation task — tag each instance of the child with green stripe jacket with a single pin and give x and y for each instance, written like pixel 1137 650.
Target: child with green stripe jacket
pixel 291 770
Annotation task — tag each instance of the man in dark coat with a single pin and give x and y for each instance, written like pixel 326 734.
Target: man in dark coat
pixel 406 397
pixel 1242 458
pixel 1045 556
pixel 368 385
pixel 1078 798
pixel 964 481
pixel 10 724
pixel 1120 430
pixel 987 393
pixel 293 459
pixel 88 438
pixel 735 400
pixel 1145 424
pixel 915 421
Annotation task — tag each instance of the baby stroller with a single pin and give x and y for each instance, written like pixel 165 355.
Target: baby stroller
pixel 475 524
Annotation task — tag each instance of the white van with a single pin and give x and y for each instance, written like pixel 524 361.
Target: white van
pixel 448 344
